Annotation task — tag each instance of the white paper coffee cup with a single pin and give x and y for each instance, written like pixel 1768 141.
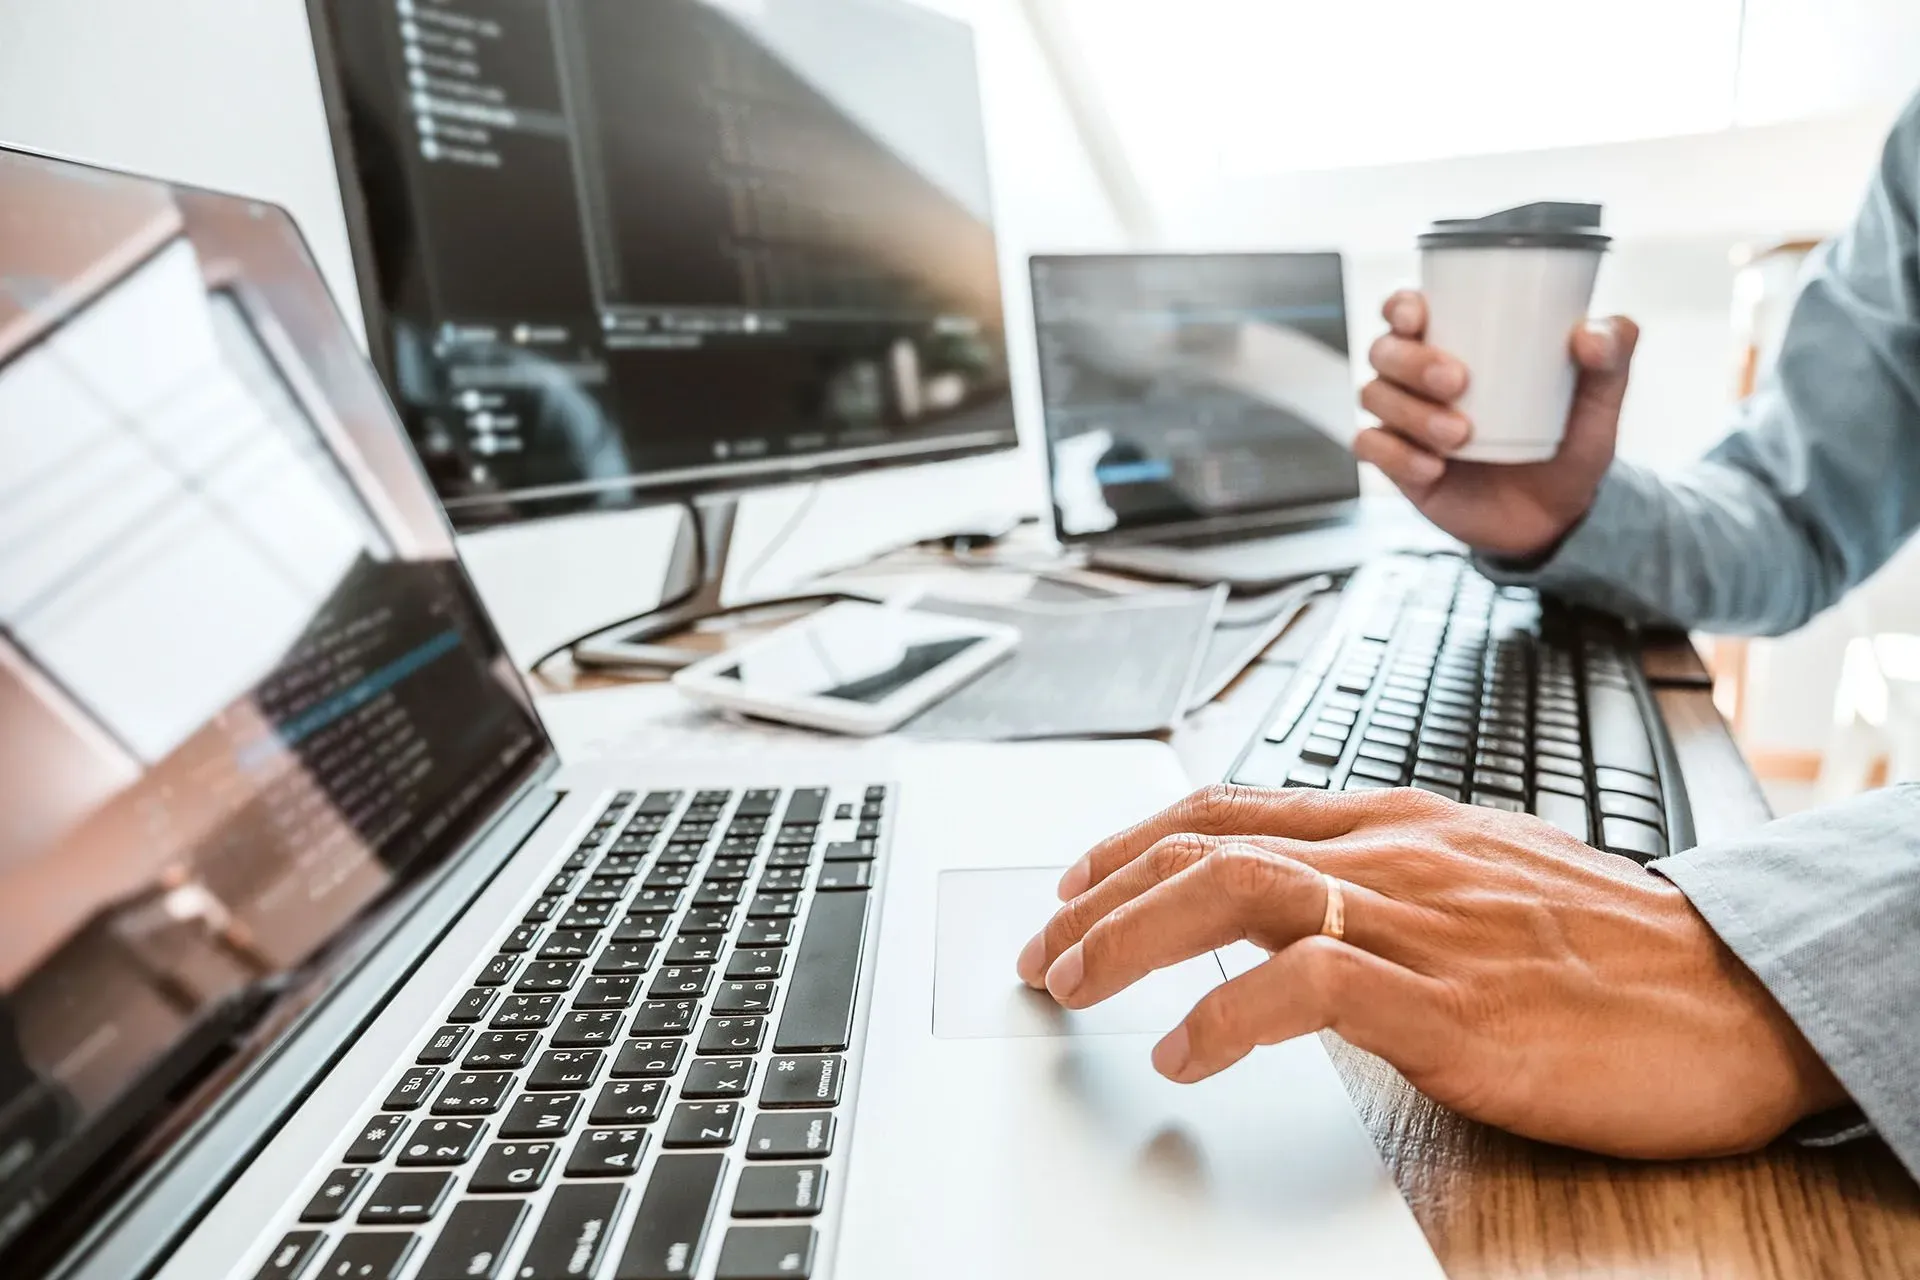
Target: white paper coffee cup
pixel 1504 296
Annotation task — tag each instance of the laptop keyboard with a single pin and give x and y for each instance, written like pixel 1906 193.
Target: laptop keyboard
pixel 643 1082
pixel 1490 695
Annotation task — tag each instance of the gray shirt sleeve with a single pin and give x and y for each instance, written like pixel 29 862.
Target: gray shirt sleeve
pixel 1818 484
pixel 1824 908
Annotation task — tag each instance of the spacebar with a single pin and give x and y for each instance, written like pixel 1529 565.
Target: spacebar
pixel 819 1012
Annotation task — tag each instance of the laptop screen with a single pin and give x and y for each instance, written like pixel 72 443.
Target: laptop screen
pixel 1187 387
pixel 246 692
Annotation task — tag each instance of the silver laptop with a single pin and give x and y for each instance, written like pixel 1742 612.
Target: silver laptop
pixel 314 962
pixel 1199 413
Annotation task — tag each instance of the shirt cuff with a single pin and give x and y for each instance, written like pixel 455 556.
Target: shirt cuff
pixel 1608 545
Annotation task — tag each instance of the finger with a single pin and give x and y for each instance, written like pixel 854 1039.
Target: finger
pixel 1238 890
pixel 1412 469
pixel 1316 984
pixel 1604 351
pixel 1299 813
pixel 1406 313
pixel 1419 368
pixel 1415 419
pixel 1162 861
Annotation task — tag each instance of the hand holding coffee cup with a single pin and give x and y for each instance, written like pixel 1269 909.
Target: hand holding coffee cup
pixel 1499 403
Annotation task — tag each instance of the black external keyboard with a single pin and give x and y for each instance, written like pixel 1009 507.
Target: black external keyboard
pixel 660 1041
pixel 1434 677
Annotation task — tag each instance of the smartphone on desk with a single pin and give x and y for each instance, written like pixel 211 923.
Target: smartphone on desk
pixel 851 668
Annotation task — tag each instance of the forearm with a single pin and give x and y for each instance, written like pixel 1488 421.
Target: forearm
pixel 1824 908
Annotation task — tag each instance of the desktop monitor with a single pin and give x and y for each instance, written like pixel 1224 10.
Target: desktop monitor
pixel 1186 390
pixel 616 252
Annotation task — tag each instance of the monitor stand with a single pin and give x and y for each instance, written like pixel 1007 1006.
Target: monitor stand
pixel 702 549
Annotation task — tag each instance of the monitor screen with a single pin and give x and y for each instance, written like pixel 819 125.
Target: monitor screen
pixel 246 692
pixel 1183 388
pixel 611 251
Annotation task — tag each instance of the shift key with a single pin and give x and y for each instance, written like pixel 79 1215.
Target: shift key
pixel 819 1011
pixel 671 1227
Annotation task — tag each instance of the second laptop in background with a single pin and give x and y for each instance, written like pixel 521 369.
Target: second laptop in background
pixel 1200 410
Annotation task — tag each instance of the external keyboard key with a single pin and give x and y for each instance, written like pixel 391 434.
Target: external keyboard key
pixel 746 965
pixel 1378 770
pixel 818 1015
pixel 1615 805
pixel 474 1093
pixel 803 1082
pixel 628 1102
pixel 732 1035
pixel 845 877
pixel 665 1017
pixel 1635 840
pixel 370 1255
pixel 718 1078
pixel 1502 802
pixel 1440 789
pixel 780 1191
pixel 606 1153
pixel 1444 774
pixel 791 1135
pixel 765 933
pixel 670 1230
pixel 472 1007
pixel 703 1124
pixel 1562 766
pixel 591 1029
pixel 1568 813
pixel 405 1198
pixel 541 1115
pixel 1499 780
pixel 290 1257
pixel 1560 784
pixel 331 1202
pixel 1452 757
pixel 1390 737
pixel 444 1047
pixel 648 1059
pixel 441 1143
pixel 745 997
pixel 375 1139
pixel 1321 750
pixel 1309 775
pixel 572 1236
pixel 1626 783
pixel 1617 730
pixel 767 1253
pixel 565 1070
pixel 412 1090
pixel 474 1242
pixel 514 1167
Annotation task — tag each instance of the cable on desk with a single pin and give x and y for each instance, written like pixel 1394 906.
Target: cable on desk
pixel 700 563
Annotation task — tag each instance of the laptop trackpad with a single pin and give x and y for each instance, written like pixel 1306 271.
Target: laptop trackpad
pixel 984 918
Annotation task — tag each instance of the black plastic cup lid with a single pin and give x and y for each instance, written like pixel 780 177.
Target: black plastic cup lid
pixel 1545 224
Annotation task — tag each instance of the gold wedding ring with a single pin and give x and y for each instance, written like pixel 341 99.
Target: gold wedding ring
pixel 1334 923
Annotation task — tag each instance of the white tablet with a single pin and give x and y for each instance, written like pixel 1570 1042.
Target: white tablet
pixel 852 668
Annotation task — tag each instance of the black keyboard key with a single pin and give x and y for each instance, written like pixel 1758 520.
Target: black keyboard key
pixel 1564 767
pixel 498 971
pixel 375 1139
pixel 729 869
pixel 501 1050
pixel 606 1153
pixel 514 1167
pixel 290 1257
pixel 1379 771
pixel 670 1229
pixel 743 966
pixel 412 1090
pixel 1626 783
pixel 570 944
pixel 336 1195
pixel 1545 733
pixel 649 1059
pixel 618 958
pixel 544 909
pixel 659 803
pixel 757 804
pixel 797 856
pixel 521 940
pixel 700 948
pixel 572 1236
pixel 441 1143
pixel 628 1102
pixel 1511 784
pixel 818 1017
pixel 791 1135
pixel 703 1124
pixel 444 1047
pixel 845 877
pixel 707 920
pixel 474 1093
pixel 405 1198
pixel 780 1191
pixel 589 915
pixel 680 981
pixel 867 831
pixel 723 894
pixel 565 1070
pixel 369 1255
pixel 732 1035
pixel 1387 737
pixel 765 933
pixel 590 1029
pixel 665 1017
pixel 1450 756
pixel 548 975
pixel 718 1078
pixel 850 851
pixel 642 927
pixel 472 1007
pixel 541 1115
pixel 600 991
pixel 667 877
pixel 812 1081
pixel 1440 789
pixel 474 1242
pixel 1560 783
pixel 805 806
pixel 1615 805
pixel 1499 800
pixel 744 997
pixel 1636 840
pixel 1569 813
pixel 562 884
pixel 767 1253
pixel 517 1012
pixel 1445 774
pixel 783 880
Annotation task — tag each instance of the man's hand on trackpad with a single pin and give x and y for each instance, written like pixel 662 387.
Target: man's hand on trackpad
pixel 1506 969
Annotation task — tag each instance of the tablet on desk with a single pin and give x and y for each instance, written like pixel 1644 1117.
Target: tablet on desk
pixel 851 668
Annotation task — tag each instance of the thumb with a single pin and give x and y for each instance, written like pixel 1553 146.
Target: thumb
pixel 1604 351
